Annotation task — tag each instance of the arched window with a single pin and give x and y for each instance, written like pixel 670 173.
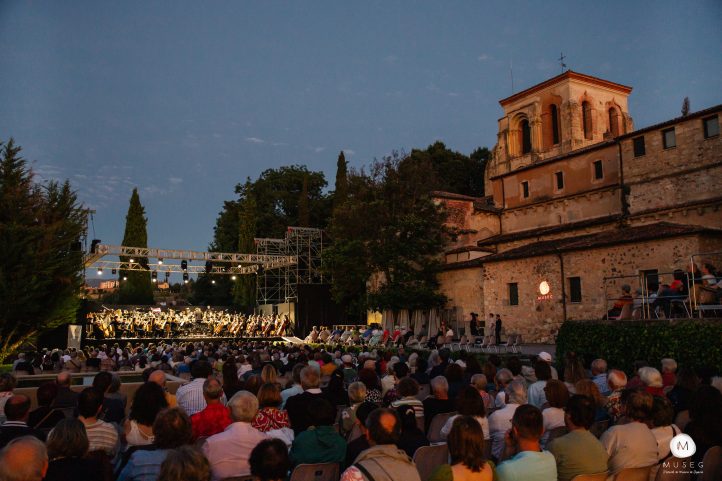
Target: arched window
pixel 525 137
pixel 555 123
pixel 613 122
pixel 587 120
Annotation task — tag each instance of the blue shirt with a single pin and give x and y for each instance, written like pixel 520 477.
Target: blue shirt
pixel 529 466
pixel 143 466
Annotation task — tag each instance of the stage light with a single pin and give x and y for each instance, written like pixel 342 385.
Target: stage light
pixel 125 278
pixel 154 276
pixel 100 271
pixel 239 266
pixel 213 281
pixel 94 246
pixel 209 267
pixel 113 271
pixel 184 265
pixel 160 261
pixel 233 278
pixel 132 260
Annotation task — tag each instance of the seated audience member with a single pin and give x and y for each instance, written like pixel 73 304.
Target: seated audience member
pixel 440 368
pixel 407 390
pixel 705 425
pixel 662 424
pixel 669 370
pixel 361 443
pixel 557 397
pixel 599 376
pixel 228 452
pixel 502 379
pixel 269 460
pixel 296 388
pixel 270 419
pixel 536 394
pixel 185 464
pixel 102 436
pixel 320 443
pixel 523 456
pixel 7 385
pixel 412 438
pixel 438 402
pixel 469 403
pixel 66 397
pixel 67 449
pixel 624 299
pixel 373 385
pixel 301 406
pixel 45 416
pixel 684 388
pixel 231 382
pixel 113 410
pixel 589 388
pixel 335 392
pixel 546 357
pixel 356 395
pixel 454 375
pixel 172 428
pixel 24 459
pixel 635 381
pixel 17 410
pixel 573 371
pixel 420 375
pixel 215 417
pixel 190 396
pixel 479 382
pixel 652 381
pixel 148 401
pixel 631 445
pixel 579 451
pixel 159 378
pixel 383 461
pixel 466 453
pixel 617 381
pixel 114 391
pixel 500 420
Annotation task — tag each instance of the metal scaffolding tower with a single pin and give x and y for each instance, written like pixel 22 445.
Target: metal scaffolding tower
pixel 281 285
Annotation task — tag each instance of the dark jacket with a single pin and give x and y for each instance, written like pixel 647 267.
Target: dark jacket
pixel 299 409
pixel 13 431
pixel 318 444
pixel 66 398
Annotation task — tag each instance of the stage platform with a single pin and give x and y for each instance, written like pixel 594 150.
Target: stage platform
pixel 122 341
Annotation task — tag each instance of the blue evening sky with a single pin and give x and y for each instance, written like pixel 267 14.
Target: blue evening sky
pixel 184 99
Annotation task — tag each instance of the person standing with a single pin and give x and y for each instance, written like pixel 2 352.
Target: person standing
pixel 497 329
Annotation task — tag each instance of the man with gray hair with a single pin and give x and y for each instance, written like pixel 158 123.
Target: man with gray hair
pixel 301 406
pixel 215 417
pixel 439 401
pixel 228 452
pixel 500 420
pixel 599 376
pixel 503 377
pixel 24 459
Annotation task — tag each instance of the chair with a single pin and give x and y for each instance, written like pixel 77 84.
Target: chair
pixel 428 458
pixel 420 423
pixel 354 433
pixel 316 472
pixel 599 427
pixel 633 474
pixel 591 477
pixel 671 469
pixel 437 422
pixel 712 463
pixel 424 391
pixel 516 347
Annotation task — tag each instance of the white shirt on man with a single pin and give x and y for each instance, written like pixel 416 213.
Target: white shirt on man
pixel 228 452
pixel 499 424
pixel 630 445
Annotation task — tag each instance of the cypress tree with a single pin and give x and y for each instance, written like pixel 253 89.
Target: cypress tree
pixel 244 295
pixel 341 180
pixel 304 211
pixel 137 289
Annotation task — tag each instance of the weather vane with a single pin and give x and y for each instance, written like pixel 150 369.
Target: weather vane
pixel 561 61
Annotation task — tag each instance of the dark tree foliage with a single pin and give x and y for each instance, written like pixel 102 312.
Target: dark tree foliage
pixel 454 171
pixel 135 286
pixel 40 271
pixel 341 186
pixel 304 215
pixel 244 294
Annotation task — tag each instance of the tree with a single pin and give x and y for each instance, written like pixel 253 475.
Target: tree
pixel 304 215
pixel 244 294
pixel 41 263
pixel 341 192
pixel 685 107
pixel 452 171
pixel 135 286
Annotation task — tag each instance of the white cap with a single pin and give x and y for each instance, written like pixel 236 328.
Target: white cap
pixel 545 356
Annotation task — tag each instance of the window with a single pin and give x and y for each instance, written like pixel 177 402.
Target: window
pixel 513 294
pixel 575 289
pixel 598 170
pixel 711 127
pixel 555 124
pixel 525 137
pixel 613 122
pixel 638 146
pixel 587 120
pixel 669 139
pixel 559 180
pixel 525 189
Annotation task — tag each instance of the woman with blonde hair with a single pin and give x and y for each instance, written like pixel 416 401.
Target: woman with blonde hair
pixel 587 387
pixel 269 374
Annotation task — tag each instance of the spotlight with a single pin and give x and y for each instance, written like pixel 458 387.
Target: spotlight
pixel 239 266
pixel 100 271
pixel 154 276
pixel 125 278
pixel 185 278
pixel 132 260
pixel 233 278
pixel 184 265
pixel 185 281
pixel 160 261
pixel 213 281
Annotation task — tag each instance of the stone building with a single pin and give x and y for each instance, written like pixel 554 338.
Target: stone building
pixel 580 200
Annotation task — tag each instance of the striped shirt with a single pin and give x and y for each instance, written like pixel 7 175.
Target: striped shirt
pixel 102 436
pixel 190 397
pixel 410 401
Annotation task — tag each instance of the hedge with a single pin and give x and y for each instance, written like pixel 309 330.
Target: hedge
pixel 691 342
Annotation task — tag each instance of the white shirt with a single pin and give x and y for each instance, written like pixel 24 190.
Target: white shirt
pixel 483 422
pixel 190 397
pixel 629 445
pixel 228 452
pixel 291 391
pixel 553 418
pixel 537 396
pixel 499 424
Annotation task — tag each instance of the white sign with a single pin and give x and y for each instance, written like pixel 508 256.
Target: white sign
pixel 682 446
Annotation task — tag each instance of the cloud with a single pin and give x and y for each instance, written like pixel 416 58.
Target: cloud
pixel 453 94
pixel 175 180
pixel 216 135
pixel 255 140
pixel 390 59
pixel 348 152
pixel 319 149
pixel 483 57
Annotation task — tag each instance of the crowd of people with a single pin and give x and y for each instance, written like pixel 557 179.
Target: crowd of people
pixel 259 409
pixel 186 323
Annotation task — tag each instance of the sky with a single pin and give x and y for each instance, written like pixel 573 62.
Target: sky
pixel 185 99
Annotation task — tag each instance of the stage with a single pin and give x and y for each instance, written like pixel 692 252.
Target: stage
pixel 122 341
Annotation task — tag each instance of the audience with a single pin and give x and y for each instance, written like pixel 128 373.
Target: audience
pixel 102 436
pixel 438 402
pixel 45 416
pixel 523 456
pixel 356 395
pixel 617 381
pixel 652 381
pixel 66 397
pixel 113 410
pixel 67 450
pixel 185 464
pixel 499 421
pixel 579 451
pixel 502 379
pixel 215 417
pixel 24 459
pixel 148 401
pixel 190 396
pixel 557 396
pixel 319 443
pixel 407 390
pixel 301 406
pixel 383 461
pixel 269 460
pixel 589 388
pixel 228 452
pixel 466 453
pixel 373 386
pixel 705 425
pixel 361 443
pixel 599 376
pixel 159 378
pixel 543 373
pixel 469 403
pixel 412 437
pixel 17 411
pixel 7 384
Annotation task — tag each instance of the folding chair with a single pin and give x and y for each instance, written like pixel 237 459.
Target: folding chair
pixel 437 422
pixel 316 472
pixel 428 458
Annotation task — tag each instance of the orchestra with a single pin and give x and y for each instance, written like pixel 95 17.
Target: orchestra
pixel 185 323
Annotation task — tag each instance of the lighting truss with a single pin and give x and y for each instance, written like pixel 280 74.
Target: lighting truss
pixel 197 269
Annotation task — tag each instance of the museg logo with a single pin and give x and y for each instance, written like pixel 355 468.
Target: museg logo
pixel 682 446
